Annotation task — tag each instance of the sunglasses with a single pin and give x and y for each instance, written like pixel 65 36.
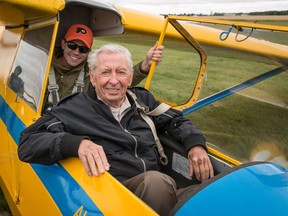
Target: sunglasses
pixel 73 46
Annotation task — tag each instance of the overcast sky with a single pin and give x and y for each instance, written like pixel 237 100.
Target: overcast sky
pixel 202 6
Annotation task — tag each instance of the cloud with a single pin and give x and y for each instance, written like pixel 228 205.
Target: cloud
pixel 204 6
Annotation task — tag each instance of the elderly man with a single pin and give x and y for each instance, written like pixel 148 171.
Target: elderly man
pixel 105 129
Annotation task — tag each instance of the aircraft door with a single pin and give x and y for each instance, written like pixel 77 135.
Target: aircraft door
pixel 26 86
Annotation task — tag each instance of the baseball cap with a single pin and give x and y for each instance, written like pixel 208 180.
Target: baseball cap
pixel 80 32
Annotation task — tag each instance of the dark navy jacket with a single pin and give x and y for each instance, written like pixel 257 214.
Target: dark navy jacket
pixel 129 145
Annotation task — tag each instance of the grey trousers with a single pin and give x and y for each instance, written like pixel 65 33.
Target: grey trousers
pixel 157 190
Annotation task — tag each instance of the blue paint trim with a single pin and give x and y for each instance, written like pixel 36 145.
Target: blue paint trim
pixel 65 191
pixel 211 99
pixel 2 109
pixel 253 190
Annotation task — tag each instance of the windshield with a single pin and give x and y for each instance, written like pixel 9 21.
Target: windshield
pixel 243 105
pixel 30 65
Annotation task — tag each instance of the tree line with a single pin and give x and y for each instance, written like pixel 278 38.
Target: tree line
pixel 264 13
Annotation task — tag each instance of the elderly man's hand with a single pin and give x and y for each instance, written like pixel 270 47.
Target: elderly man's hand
pixel 200 164
pixel 93 158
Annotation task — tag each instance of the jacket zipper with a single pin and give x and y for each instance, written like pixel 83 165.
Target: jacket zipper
pixel 136 147
pixel 136 143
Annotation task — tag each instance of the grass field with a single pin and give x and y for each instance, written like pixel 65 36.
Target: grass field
pixel 242 124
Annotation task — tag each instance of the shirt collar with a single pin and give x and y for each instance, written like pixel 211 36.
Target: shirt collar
pixel 118 113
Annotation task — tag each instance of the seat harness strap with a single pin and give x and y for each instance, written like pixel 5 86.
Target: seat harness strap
pixel 156 112
pixel 79 84
pixel 53 88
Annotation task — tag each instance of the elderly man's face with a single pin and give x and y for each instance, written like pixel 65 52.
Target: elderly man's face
pixel 111 78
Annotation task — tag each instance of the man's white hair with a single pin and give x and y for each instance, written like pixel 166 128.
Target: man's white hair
pixel 109 48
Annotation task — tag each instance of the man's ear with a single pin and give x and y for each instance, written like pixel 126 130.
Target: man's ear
pixel 92 77
pixel 63 44
pixel 131 78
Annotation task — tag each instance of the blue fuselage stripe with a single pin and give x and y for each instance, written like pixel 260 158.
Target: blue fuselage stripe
pixel 232 90
pixel 65 191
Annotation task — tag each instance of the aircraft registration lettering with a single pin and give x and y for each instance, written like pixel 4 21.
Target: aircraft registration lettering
pixel 80 212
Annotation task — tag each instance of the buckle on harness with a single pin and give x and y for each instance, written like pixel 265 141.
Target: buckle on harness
pixel 164 160
pixel 52 88
pixel 79 84
pixel 163 157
